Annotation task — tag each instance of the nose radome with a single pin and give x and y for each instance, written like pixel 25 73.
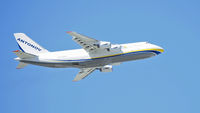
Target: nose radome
pixel 159 48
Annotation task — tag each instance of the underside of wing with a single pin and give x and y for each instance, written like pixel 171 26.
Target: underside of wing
pixel 89 44
pixel 84 72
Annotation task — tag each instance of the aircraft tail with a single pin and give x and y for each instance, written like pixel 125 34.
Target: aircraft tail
pixel 27 45
pixel 21 55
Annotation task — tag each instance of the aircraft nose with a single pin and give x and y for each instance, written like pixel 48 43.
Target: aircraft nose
pixel 159 49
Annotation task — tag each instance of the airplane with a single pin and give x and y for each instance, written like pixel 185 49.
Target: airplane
pixel 94 55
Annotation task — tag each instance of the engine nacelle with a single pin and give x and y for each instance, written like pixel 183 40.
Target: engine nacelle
pixel 104 45
pixel 107 68
pixel 115 47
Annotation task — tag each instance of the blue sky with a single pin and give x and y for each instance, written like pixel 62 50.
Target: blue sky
pixel 168 83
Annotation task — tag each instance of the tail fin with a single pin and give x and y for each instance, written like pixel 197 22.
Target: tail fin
pixel 27 45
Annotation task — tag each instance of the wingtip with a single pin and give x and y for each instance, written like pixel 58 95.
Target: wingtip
pixel 69 31
pixel 16 51
pixel 18 68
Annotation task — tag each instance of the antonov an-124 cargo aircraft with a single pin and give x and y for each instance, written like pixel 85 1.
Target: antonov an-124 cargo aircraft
pixel 94 55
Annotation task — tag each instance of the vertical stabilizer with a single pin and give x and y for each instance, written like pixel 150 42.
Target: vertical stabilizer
pixel 27 45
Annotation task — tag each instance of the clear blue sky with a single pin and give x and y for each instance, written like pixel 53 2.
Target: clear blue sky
pixel 168 83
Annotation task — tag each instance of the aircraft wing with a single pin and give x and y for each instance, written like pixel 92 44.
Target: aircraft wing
pixel 89 44
pixel 84 72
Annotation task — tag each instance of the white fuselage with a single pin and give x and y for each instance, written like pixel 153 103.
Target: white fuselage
pixel 82 59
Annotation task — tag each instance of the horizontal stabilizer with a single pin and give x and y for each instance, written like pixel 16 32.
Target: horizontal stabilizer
pixel 23 55
pixel 21 65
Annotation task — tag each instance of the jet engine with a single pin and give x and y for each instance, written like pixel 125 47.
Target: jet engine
pixel 104 45
pixel 115 47
pixel 107 68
